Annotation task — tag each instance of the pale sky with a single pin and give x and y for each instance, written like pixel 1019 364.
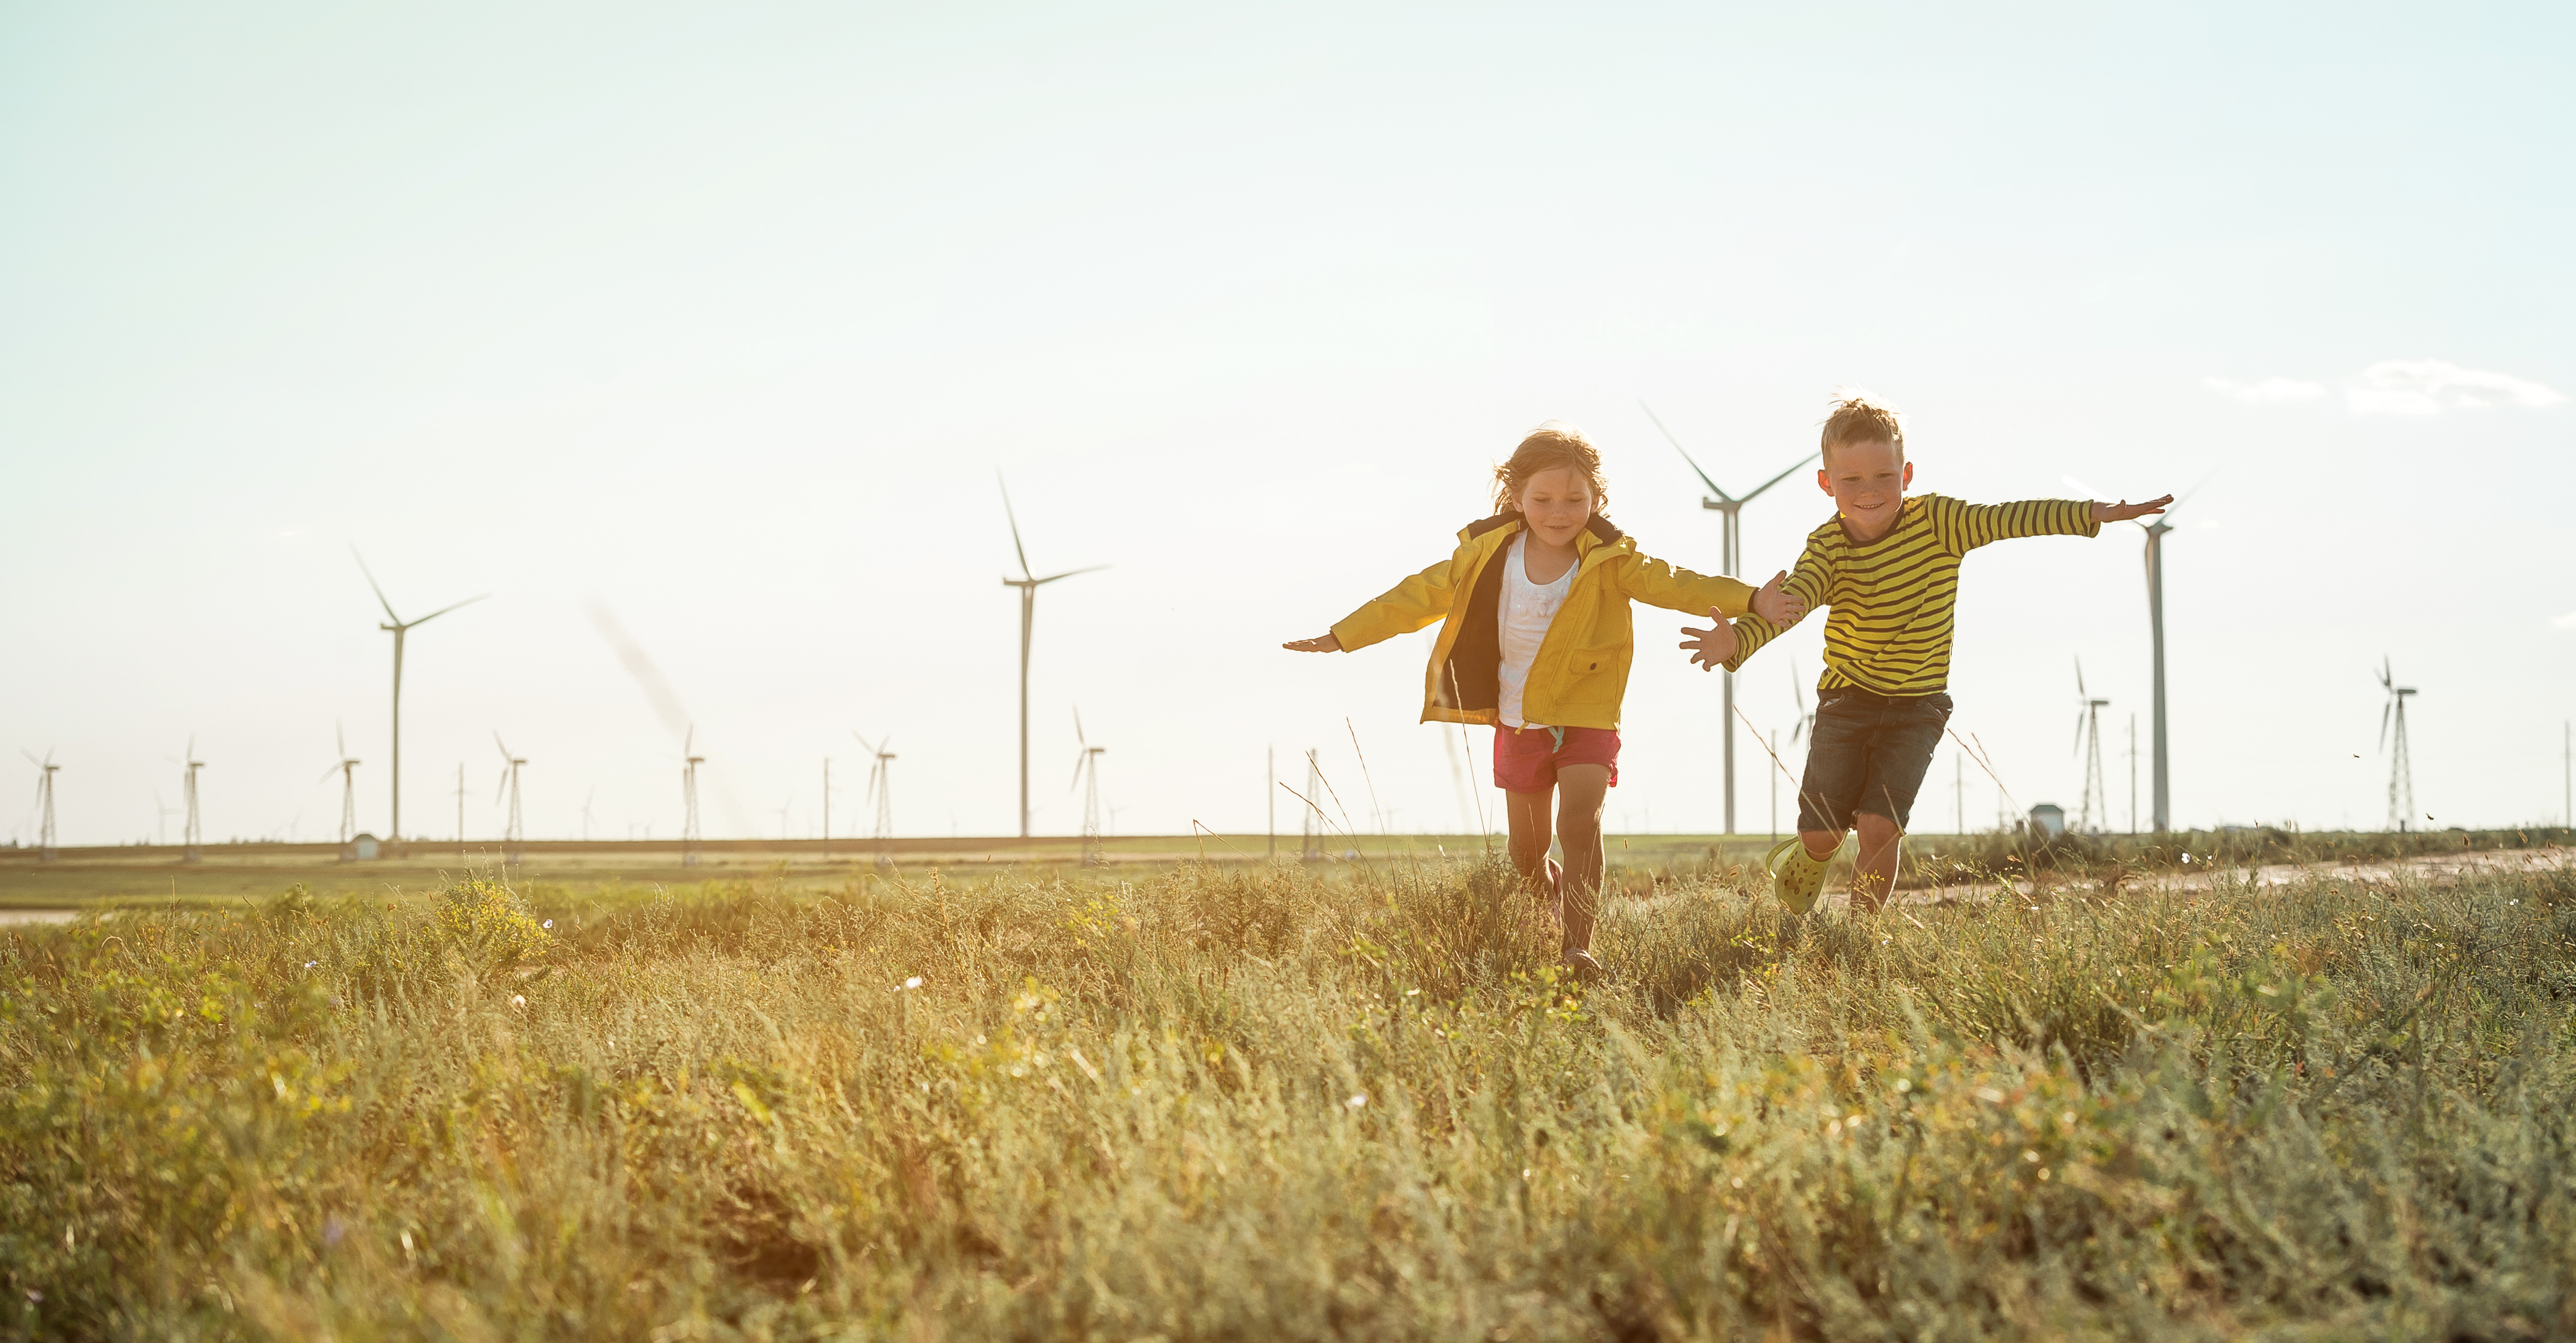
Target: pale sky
pixel 727 317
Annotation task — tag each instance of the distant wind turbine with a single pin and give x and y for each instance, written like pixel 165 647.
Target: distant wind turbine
pixel 398 627
pixel 1028 583
pixel 1086 767
pixel 511 837
pixel 2401 768
pixel 347 769
pixel 45 802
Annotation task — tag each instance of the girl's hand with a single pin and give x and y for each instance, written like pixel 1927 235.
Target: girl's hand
pixel 1326 644
pixel 1779 607
pixel 2124 510
pixel 1712 647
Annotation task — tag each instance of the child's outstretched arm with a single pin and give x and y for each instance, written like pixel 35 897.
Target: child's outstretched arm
pixel 1402 609
pixel 1656 583
pixel 1782 602
pixel 1964 527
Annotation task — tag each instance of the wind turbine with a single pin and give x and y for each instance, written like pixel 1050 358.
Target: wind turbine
pixel 347 769
pixel 1028 583
pixel 881 792
pixel 2155 527
pixel 192 836
pixel 510 765
pixel 2088 739
pixel 1731 559
pixel 398 627
pixel 1086 768
pixel 689 762
pixel 2401 771
pixel 45 802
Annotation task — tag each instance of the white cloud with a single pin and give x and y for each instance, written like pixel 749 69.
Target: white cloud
pixel 2565 622
pixel 2268 390
pixel 2431 386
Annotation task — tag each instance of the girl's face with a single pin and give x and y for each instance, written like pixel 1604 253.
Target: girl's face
pixel 1555 505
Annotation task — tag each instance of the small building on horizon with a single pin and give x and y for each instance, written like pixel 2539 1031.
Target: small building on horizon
pixel 2048 819
pixel 360 849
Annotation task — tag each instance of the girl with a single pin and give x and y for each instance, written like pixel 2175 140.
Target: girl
pixel 1537 642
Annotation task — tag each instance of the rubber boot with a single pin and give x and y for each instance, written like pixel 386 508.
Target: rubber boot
pixel 1797 877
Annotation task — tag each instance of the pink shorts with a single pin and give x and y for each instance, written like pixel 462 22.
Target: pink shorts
pixel 1526 759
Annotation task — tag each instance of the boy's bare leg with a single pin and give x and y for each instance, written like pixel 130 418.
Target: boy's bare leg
pixel 1530 836
pixel 1580 791
pixel 1821 843
pixel 1874 869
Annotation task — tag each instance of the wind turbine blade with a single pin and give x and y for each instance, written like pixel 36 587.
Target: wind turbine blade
pixel 1068 574
pixel 1077 729
pixel 686 741
pixel 2383 725
pixel 445 609
pixel 325 775
pixel 504 746
pixel 2196 488
pixel 1021 550
pixel 371 583
pixel 2080 691
pixel 340 734
pixel 1685 452
pixel 1793 470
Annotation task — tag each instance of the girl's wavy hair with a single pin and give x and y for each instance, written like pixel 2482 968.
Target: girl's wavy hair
pixel 1552 446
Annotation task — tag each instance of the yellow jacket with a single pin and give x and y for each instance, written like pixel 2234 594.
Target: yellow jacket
pixel 1581 671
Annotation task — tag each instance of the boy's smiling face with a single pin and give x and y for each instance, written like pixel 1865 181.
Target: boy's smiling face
pixel 1867 480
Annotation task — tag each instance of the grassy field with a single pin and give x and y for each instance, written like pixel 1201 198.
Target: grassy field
pixel 1248 1102
pixel 234 874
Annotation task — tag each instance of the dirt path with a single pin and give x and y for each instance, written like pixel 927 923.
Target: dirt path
pixel 2435 867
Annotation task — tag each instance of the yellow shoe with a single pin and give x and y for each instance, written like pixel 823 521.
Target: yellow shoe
pixel 1796 877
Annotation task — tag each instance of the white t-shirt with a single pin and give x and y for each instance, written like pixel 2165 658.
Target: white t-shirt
pixel 1524 612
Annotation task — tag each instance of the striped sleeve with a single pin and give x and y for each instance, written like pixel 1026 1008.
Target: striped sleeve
pixel 1809 580
pixel 1964 527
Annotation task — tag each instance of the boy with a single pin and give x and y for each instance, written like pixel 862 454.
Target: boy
pixel 1889 566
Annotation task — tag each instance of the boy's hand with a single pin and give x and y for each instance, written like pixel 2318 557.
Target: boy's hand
pixel 2124 510
pixel 1329 643
pixel 1713 647
pixel 1777 606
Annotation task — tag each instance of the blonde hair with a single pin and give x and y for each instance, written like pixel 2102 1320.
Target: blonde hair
pixel 1553 446
pixel 1859 417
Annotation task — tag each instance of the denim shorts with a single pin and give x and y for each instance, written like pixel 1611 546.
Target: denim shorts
pixel 1868 754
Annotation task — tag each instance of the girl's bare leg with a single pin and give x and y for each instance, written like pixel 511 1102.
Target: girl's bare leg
pixel 1581 790
pixel 1529 841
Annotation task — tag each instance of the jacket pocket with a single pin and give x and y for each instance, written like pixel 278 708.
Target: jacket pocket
pixel 1585 661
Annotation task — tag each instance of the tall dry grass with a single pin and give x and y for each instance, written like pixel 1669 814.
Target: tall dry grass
pixel 1229 1103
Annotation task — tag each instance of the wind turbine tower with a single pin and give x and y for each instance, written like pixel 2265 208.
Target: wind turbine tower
pixel 509 781
pixel 192 836
pixel 2094 815
pixel 1731 559
pixel 881 792
pixel 347 769
pixel 689 762
pixel 1028 583
pixel 45 804
pixel 1312 847
pixel 1086 771
pixel 398 627
pixel 2401 771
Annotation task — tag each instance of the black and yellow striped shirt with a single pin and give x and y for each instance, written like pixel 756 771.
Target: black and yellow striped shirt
pixel 1895 598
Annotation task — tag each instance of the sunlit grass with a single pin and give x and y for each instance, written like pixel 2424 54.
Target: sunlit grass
pixel 1272 1103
